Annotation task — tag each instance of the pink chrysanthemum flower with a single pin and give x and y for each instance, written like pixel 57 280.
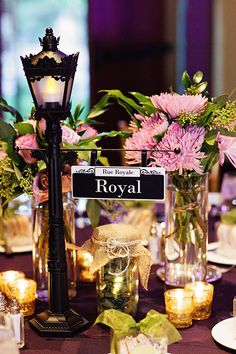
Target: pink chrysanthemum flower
pixel 133 126
pixel 143 139
pixel 227 147
pixel 140 140
pixel 156 124
pixel 189 141
pixel 174 104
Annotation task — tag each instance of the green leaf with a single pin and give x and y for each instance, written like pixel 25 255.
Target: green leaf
pixel 156 324
pixel 78 111
pixel 211 158
pixel 24 128
pixel 100 107
pixel 6 131
pixel 17 172
pixel 117 94
pixel 210 137
pixel 200 87
pixel 140 97
pixel 116 320
pixel 197 77
pixel 225 132
pixel 186 81
pixel 229 217
pixel 93 209
pixel 221 100
pixel 104 160
pixel 6 108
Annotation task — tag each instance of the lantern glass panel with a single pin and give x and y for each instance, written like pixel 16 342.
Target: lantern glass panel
pixel 69 89
pixel 48 90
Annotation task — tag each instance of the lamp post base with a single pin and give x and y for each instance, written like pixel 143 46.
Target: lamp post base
pixel 67 324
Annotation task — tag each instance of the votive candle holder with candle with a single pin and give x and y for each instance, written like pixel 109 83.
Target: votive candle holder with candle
pixel 85 260
pixel 24 290
pixel 9 277
pixel 179 307
pixel 202 299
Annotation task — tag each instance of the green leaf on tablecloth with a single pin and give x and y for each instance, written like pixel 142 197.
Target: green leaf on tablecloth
pixel 156 324
pixel 229 217
pixel 117 320
pixel 153 325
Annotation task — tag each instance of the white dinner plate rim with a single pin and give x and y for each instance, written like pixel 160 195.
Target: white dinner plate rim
pixel 18 249
pixel 219 336
pixel 214 257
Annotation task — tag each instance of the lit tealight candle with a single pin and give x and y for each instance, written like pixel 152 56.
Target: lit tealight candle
pixel 10 276
pixel 179 307
pixel 52 91
pixel 202 299
pixel 24 290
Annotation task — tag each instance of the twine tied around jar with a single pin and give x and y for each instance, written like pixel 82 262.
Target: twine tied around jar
pixel 118 241
pixel 116 249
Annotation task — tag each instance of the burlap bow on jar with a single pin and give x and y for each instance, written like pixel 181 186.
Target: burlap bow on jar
pixel 118 240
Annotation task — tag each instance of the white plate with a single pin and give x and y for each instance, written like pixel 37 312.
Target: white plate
pixel 224 332
pixel 214 257
pixel 18 249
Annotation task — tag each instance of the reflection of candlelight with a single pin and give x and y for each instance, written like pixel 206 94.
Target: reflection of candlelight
pixel 118 283
pixel 202 299
pixel 85 260
pixel 179 307
pixel 10 276
pixel 24 290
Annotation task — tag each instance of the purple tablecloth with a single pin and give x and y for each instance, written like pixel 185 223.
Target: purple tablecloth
pixel 197 339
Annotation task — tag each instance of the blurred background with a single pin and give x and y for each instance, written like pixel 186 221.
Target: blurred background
pixel 133 45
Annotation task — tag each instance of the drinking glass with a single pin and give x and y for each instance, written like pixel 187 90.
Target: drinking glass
pixel 8 343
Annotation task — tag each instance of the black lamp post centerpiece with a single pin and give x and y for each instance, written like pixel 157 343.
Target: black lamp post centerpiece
pixel 50 75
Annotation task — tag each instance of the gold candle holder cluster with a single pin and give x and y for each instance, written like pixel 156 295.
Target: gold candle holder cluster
pixel 193 302
pixel 13 284
pixel 85 260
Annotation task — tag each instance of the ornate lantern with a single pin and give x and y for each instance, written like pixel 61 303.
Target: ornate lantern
pixel 50 76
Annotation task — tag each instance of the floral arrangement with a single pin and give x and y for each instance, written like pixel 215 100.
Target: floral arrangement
pixel 22 171
pixel 187 134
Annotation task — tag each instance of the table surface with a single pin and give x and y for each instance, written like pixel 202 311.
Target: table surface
pixel 197 339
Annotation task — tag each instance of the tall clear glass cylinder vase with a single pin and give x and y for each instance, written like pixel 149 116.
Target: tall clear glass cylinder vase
pixel 186 228
pixel 40 246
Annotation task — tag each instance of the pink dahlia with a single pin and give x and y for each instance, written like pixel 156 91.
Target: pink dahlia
pixel 227 147
pixel 140 140
pixel 189 141
pixel 174 104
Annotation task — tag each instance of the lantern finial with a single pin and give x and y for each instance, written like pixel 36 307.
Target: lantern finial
pixel 49 41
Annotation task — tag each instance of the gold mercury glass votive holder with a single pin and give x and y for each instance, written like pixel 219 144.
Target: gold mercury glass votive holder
pixel 179 307
pixel 9 277
pixel 85 260
pixel 24 290
pixel 202 299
